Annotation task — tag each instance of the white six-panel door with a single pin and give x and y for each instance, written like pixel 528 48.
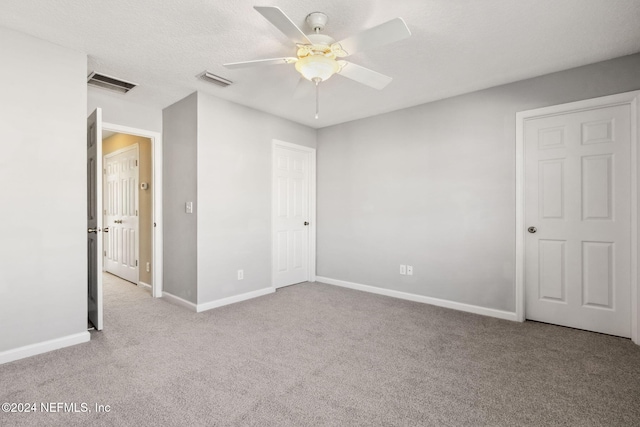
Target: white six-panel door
pixel 578 201
pixel 291 216
pixel 121 171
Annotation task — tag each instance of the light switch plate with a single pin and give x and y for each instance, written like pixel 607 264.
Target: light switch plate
pixel 188 207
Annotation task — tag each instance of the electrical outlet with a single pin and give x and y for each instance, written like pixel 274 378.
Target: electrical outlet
pixel 409 270
pixel 148 267
pixel 403 269
pixel 240 274
pixel 188 207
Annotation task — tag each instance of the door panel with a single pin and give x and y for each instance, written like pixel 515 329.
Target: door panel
pixel 291 215
pixel 552 267
pixel 94 218
pixel 578 196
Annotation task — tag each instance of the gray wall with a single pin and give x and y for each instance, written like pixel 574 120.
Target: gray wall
pixel 234 194
pixel 433 186
pixel 179 143
pixel 43 255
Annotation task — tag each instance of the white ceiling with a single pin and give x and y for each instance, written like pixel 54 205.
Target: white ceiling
pixel 457 46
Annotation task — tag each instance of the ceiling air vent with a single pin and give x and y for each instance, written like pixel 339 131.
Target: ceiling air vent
pixel 110 83
pixel 216 80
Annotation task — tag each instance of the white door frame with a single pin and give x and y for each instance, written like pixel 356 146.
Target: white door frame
pixel 134 146
pixel 629 98
pixel 156 173
pixel 312 206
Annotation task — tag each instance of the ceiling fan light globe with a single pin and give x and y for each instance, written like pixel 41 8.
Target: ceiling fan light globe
pixel 317 67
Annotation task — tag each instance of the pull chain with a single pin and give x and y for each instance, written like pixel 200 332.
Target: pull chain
pixel 317 82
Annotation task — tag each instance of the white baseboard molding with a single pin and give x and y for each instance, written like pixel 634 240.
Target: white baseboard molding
pixel 500 314
pixel 43 347
pixel 236 298
pixel 178 301
pixel 143 284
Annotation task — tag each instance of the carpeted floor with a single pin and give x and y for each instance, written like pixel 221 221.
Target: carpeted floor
pixel 314 354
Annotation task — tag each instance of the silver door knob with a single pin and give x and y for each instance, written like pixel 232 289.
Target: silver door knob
pixel 92 230
pixel 532 230
pixel 106 229
pixel 306 223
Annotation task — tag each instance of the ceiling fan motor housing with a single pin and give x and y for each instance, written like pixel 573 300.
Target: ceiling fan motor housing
pixel 317 21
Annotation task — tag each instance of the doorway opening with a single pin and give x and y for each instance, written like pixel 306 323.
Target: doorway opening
pixel 127 204
pixel 139 229
pixel 150 162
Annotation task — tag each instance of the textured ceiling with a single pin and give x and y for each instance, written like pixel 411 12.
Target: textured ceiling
pixel 457 46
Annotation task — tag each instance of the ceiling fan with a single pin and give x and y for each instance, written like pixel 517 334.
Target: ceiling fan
pixel 316 55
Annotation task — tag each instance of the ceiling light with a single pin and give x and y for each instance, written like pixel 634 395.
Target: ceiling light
pixel 317 67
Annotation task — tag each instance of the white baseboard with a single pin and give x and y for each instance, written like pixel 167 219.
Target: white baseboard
pixel 216 303
pixel 500 314
pixel 178 301
pixel 146 285
pixel 43 347
pixel 236 298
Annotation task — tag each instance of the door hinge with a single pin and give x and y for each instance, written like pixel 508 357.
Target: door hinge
pixel 136 212
pixel 136 263
pixel 136 163
pixel 105 253
pixel 154 224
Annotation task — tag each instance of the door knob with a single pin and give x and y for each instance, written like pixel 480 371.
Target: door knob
pixel 306 223
pixel 532 230
pixel 106 229
pixel 92 230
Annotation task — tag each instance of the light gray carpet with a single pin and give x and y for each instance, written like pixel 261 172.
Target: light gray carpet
pixel 314 354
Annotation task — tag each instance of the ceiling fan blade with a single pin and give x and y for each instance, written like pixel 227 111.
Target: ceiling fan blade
pixel 258 62
pixel 282 22
pixel 364 75
pixel 389 32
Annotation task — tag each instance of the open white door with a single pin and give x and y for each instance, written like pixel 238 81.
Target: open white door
pixel 94 217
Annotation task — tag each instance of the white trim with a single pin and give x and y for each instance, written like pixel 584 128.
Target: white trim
pixel 491 312
pixel 628 98
pixel 144 285
pixel 635 187
pixel 179 301
pixel 43 347
pixel 312 206
pixel 156 235
pixel 233 299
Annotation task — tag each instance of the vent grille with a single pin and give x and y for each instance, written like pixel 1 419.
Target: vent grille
pixel 216 80
pixel 110 83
